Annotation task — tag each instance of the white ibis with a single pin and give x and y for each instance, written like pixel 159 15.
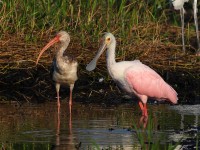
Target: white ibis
pixel 65 67
pixel 133 76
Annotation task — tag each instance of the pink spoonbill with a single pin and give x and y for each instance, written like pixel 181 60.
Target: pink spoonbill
pixel 65 67
pixel 133 76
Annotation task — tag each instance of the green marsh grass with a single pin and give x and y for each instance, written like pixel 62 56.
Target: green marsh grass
pixel 149 138
pixel 25 146
pixel 86 20
pixel 88 17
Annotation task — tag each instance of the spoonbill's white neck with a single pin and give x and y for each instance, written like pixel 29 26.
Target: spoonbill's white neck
pixel 110 54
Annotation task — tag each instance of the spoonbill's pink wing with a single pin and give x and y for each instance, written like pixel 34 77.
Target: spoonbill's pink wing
pixel 146 81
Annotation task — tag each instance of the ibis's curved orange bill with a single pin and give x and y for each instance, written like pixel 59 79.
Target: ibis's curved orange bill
pixel 53 41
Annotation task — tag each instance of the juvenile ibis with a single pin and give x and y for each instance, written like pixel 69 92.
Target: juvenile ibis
pixel 64 67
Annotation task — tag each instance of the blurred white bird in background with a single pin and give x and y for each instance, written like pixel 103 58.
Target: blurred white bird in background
pixel 196 25
pixel 179 5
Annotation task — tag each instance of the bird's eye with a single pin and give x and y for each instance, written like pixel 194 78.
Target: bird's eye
pixel 108 39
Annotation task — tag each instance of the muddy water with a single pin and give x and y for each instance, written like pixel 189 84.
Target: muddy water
pixel 90 126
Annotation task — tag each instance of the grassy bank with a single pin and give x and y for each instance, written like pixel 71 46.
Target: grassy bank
pixel 142 29
pixel 149 31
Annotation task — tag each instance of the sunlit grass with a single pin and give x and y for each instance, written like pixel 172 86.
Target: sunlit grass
pixel 88 17
pixel 131 21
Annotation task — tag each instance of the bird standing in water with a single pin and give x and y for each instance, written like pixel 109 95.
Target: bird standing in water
pixel 133 76
pixel 65 67
pixel 179 5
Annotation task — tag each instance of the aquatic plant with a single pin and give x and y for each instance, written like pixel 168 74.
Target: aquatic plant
pixel 150 138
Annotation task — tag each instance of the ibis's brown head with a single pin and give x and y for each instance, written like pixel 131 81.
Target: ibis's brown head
pixel 62 37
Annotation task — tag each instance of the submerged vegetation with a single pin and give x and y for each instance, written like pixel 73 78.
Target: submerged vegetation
pixel 149 31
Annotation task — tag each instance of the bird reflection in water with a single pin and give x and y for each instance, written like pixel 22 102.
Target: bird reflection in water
pixel 65 141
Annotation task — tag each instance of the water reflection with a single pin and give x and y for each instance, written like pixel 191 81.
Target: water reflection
pixel 87 126
pixel 188 135
pixel 187 110
pixel 67 142
pixel 58 129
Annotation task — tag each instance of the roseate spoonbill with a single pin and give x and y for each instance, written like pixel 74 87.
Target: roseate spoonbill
pixel 65 67
pixel 133 76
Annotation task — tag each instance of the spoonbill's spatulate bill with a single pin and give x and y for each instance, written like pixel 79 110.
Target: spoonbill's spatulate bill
pixel 65 67
pixel 133 76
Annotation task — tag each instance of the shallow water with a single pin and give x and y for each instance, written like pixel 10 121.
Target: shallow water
pixel 40 126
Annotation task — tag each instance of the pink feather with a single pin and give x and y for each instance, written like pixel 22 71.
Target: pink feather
pixel 145 81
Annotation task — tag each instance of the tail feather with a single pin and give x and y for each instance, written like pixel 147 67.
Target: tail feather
pixel 171 95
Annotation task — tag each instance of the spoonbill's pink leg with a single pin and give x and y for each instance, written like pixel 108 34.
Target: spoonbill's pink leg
pixel 144 117
pixel 143 108
pixel 143 121
pixel 141 105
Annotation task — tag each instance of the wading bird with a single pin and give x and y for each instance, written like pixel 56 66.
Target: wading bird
pixel 65 67
pixel 133 76
pixel 178 5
